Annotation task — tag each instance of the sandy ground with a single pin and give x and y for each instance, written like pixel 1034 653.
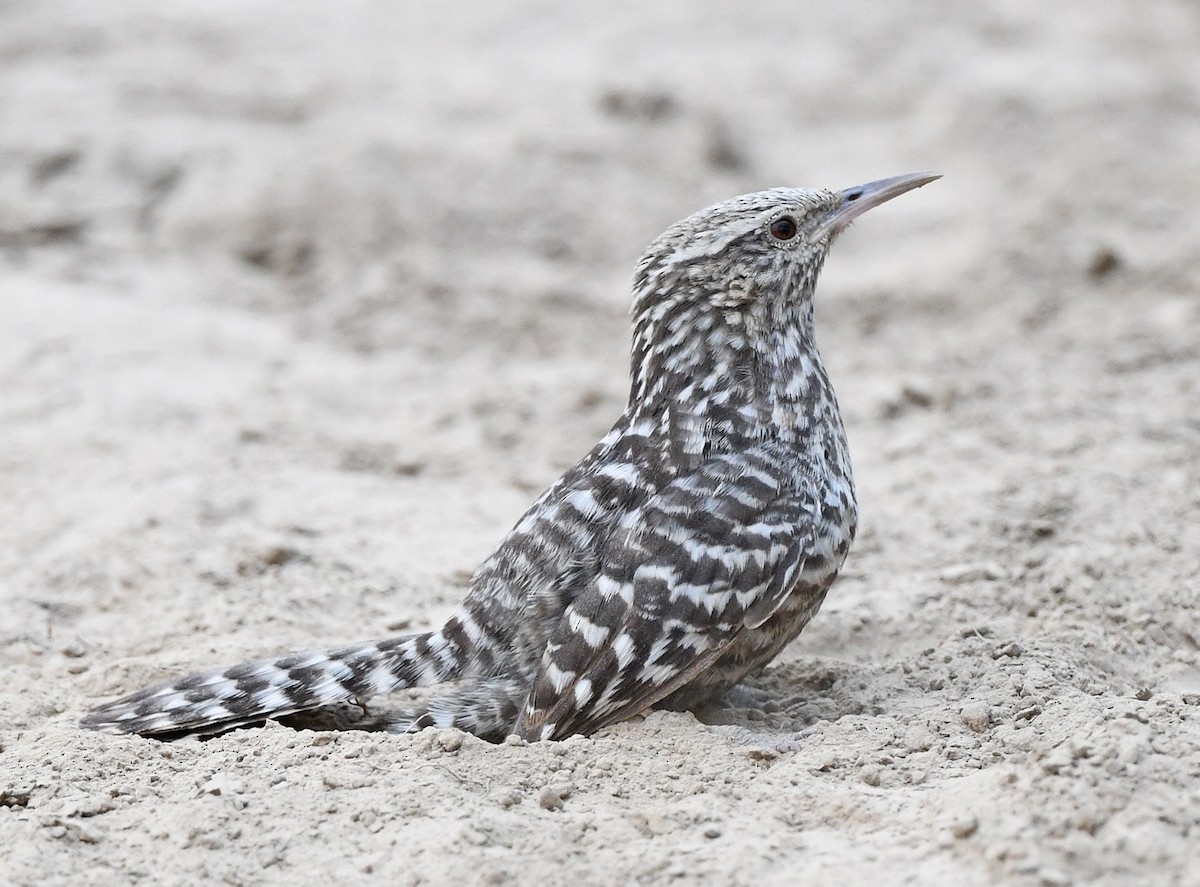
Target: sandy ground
pixel 301 304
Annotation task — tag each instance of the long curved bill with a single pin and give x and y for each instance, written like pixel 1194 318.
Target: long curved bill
pixel 857 200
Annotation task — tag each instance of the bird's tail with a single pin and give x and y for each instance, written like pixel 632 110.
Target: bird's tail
pixel 215 701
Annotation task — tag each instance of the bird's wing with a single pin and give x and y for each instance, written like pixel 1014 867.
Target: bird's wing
pixel 714 553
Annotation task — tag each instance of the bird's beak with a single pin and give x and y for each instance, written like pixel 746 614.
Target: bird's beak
pixel 855 201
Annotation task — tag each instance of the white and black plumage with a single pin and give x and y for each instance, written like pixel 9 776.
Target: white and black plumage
pixel 694 541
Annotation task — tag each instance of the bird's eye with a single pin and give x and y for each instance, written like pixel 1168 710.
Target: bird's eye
pixel 783 228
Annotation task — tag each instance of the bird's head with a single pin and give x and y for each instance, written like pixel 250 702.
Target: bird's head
pixel 739 276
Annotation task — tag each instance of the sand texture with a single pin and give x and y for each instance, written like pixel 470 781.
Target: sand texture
pixel 301 304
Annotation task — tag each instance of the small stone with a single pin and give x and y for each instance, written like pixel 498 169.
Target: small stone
pixel 1130 749
pixel 919 739
pixel 651 106
pixel 212 786
pixel 975 631
pixel 918 394
pixel 977 716
pixel 1058 760
pixel 17 796
pixel 964 827
pixel 280 555
pixel 651 823
pixel 551 798
pixel 449 740
pixel 1104 262
pixel 963 574
pixel 84 832
pixel 508 799
pixel 872 774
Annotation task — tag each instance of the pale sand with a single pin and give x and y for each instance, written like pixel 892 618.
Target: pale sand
pixel 303 303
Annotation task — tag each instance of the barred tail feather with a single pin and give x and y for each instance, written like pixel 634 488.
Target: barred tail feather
pixel 486 707
pixel 215 701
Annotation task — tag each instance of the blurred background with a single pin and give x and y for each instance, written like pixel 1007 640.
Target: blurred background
pixel 367 161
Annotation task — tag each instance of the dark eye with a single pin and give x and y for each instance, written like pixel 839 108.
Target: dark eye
pixel 783 228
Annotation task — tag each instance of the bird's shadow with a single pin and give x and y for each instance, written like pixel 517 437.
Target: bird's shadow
pixel 793 696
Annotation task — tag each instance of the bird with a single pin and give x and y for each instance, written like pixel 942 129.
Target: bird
pixel 693 542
